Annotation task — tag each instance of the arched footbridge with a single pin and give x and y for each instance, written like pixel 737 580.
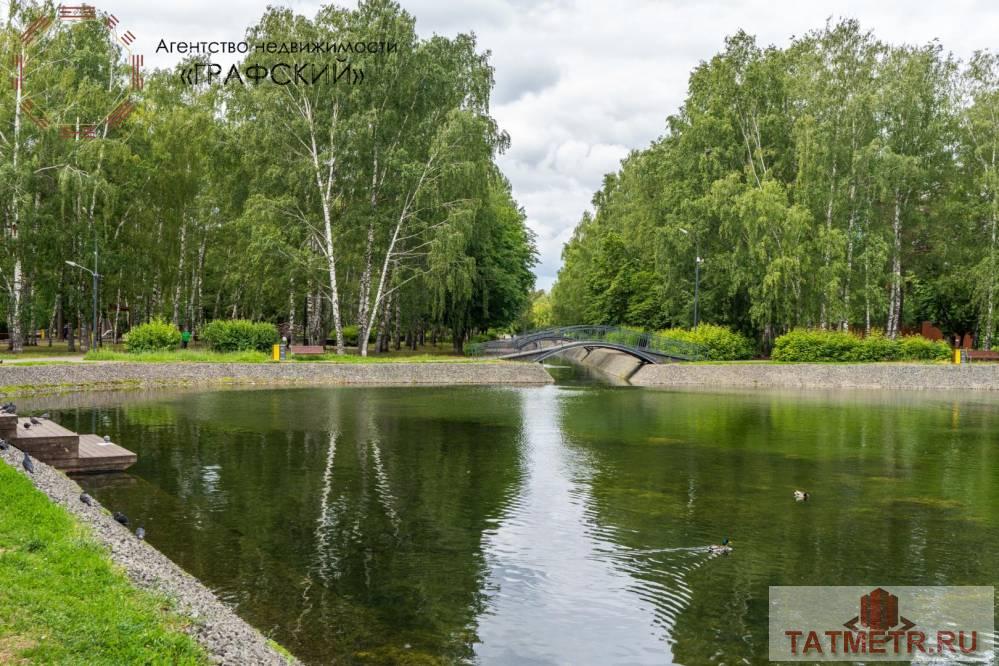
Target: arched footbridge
pixel 541 344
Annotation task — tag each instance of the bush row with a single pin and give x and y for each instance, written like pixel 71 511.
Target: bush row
pixel 239 335
pixel 156 335
pixel 813 345
pixel 718 343
pixel 220 336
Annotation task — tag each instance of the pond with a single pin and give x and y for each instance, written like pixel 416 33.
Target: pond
pixel 564 524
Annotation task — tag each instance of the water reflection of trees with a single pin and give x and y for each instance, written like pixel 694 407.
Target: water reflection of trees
pixel 346 523
pixel 350 521
pixel 409 484
pixel 902 494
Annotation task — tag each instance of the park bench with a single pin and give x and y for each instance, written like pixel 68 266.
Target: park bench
pixel 308 350
pixel 981 355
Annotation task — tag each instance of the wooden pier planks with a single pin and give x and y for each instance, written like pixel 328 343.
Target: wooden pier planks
pixel 8 426
pixel 47 441
pixel 96 455
pixel 65 450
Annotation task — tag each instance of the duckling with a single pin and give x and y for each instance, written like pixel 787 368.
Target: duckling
pixel 723 549
pixel 801 495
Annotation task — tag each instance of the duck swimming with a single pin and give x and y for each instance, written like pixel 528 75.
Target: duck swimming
pixel 801 496
pixel 723 549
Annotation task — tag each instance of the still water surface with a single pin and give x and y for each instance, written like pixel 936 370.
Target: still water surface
pixel 553 525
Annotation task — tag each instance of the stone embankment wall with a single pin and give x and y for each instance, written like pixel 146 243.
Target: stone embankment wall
pixel 922 376
pixel 26 378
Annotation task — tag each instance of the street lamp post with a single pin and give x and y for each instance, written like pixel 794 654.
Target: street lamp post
pixel 96 339
pixel 697 271
pixel 697 284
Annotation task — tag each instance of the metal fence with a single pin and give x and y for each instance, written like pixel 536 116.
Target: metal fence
pixel 615 334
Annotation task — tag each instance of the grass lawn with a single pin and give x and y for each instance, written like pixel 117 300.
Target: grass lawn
pixel 384 358
pixel 766 361
pixel 63 601
pixel 179 356
pixel 43 350
pixel 441 353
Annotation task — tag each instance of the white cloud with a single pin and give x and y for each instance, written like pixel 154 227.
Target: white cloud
pixel 579 83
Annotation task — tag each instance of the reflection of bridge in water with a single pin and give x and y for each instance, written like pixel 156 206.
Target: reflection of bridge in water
pixel 539 345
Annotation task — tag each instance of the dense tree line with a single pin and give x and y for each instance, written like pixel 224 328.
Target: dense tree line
pixel 374 209
pixel 838 183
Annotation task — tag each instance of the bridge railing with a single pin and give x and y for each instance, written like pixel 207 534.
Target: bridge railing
pixel 616 334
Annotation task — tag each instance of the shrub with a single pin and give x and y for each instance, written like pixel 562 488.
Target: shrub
pixel 626 335
pixel 801 345
pixel 918 348
pixel 876 347
pixel 809 346
pixel 351 335
pixel 156 335
pixel 239 335
pixel 718 343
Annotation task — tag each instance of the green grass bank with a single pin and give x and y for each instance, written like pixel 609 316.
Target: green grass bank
pixel 63 601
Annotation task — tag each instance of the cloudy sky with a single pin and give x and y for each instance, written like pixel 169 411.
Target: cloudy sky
pixel 580 83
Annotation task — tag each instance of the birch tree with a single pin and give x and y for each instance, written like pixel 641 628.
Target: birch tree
pixel 980 134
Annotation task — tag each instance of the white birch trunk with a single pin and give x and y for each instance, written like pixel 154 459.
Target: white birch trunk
pixel 990 294
pixel 851 224
pixel 14 312
pixel 324 196
pixel 291 313
pixel 895 297
pixel 390 252
pixel 180 273
pixel 363 323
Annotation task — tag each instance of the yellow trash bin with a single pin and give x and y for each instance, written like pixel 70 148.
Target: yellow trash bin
pixel 276 353
pixel 957 356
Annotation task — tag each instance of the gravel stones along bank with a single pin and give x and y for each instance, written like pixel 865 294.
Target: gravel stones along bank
pixel 29 378
pixel 227 638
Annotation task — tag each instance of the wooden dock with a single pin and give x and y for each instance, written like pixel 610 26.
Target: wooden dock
pixel 96 455
pixel 67 451
pixel 8 426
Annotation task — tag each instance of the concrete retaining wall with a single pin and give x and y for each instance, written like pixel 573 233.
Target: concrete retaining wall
pixel 68 376
pixel 606 361
pixel 983 377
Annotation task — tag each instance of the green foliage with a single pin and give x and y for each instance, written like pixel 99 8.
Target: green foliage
pixel 351 335
pixel 239 335
pixel 719 343
pixel 809 346
pixel 918 348
pixel 156 335
pixel 837 181
pixel 479 338
pixel 207 202
pixel 541 315
pixel 802 345
pixel 877 347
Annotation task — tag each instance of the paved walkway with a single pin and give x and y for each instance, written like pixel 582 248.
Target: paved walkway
pixel 76 358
